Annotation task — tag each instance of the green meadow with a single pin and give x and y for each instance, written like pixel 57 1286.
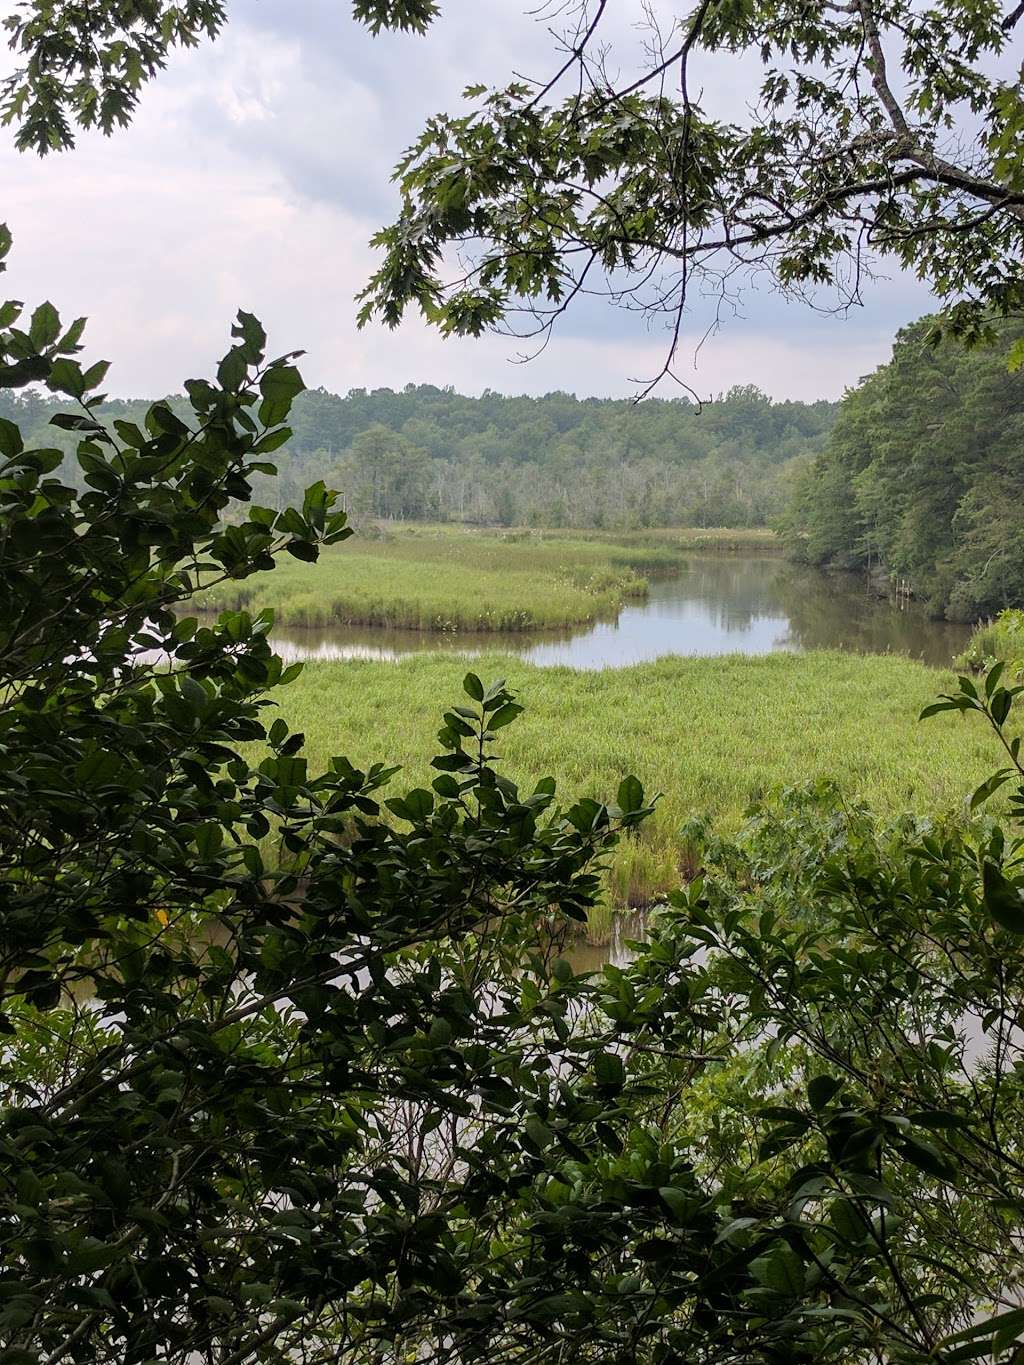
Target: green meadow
pixel 453 579
pixel 710 735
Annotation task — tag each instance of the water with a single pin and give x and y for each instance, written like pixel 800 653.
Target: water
pixel 720 604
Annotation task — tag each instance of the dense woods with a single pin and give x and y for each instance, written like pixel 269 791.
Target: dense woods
pixel 428 453
pixel 923 475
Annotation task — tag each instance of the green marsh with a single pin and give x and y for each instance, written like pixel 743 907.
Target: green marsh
pixel 710 735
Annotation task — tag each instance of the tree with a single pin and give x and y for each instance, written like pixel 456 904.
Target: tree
pixel 85 65
pixel 922 475
pixel 267 1058
pixel 390 474
pixel 879 129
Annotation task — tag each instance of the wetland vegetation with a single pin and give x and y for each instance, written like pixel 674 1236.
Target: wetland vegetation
pixel 453 579
pixel 357 1102
pixel 711 736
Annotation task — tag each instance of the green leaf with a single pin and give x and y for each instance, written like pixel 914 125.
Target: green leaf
pixel 95 375
pixel 232 370
pixel 990 786
pixel 630 795
pixel 11 443
pixel 1002 899
pixel 993 676
pixel 680 1203
pixel 66 377
pixel 937 706
pixel 419 803
pixel 44 329
pixel 608 1069
pixel 928 1158
pixel 473 687
pixel 254 338
pixel 538 1132
pixel 304 550
pixel 504 715
pixel 821 1090
pixel 780 1270
pixel 280 385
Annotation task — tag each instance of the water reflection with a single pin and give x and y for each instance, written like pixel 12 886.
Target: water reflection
pixel 734 604
pixel 627 929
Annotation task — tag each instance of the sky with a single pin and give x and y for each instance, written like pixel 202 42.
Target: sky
pixel 258 168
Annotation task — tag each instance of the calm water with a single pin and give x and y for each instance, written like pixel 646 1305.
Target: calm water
pixel 721 604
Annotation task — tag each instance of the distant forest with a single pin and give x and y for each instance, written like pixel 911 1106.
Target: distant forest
pixel 923 475
pixel 430 453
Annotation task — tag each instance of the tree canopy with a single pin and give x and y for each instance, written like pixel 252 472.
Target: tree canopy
pixel 84 65
pixel 922 475
pixel 878 130
pixel 429 453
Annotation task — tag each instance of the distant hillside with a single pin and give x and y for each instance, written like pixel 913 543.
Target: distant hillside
pixel 426 452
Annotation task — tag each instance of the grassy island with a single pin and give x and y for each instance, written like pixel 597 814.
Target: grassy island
pixel 453 579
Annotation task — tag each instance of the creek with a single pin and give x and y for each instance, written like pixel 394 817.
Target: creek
pixel 718 604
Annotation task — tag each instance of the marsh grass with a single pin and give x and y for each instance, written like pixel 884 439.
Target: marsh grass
pixel 710 735
pixel 433 579
pixel 418 577
pixel 680 539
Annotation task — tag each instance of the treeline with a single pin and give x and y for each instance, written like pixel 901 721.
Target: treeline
pixel 923 476
pixel 426 453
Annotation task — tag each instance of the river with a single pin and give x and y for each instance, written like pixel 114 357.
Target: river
pixel 719 604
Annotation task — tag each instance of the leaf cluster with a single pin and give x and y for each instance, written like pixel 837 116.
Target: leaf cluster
pixel 269 1056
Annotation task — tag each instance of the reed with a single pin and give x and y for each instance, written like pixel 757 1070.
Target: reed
pixel 1001 638
pixel 429 578
pixel 710 735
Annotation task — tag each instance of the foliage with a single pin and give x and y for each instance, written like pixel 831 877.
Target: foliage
pixel 347 1107
pixel 864 988
pixel 1001 639
pixel 221 1077
pixel 85 65
pixel 878 128
pixel 681 724
pixel 424 452
pixel 922 476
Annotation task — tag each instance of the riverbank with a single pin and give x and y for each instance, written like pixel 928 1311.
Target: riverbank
pixel 1001 638
pixel 710 735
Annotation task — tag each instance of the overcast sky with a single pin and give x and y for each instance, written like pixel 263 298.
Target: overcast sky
pixel 258 168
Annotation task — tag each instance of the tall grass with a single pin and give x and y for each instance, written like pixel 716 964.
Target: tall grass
pixel 703 540
pixel 449 579
pixel 1002 638
pixel 710 735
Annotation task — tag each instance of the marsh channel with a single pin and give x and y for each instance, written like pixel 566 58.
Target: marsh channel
pixel 718 604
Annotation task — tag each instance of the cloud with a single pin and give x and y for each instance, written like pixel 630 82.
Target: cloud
pixel 256 172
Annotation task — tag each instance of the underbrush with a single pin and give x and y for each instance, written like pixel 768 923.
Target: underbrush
pixel 1002 638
